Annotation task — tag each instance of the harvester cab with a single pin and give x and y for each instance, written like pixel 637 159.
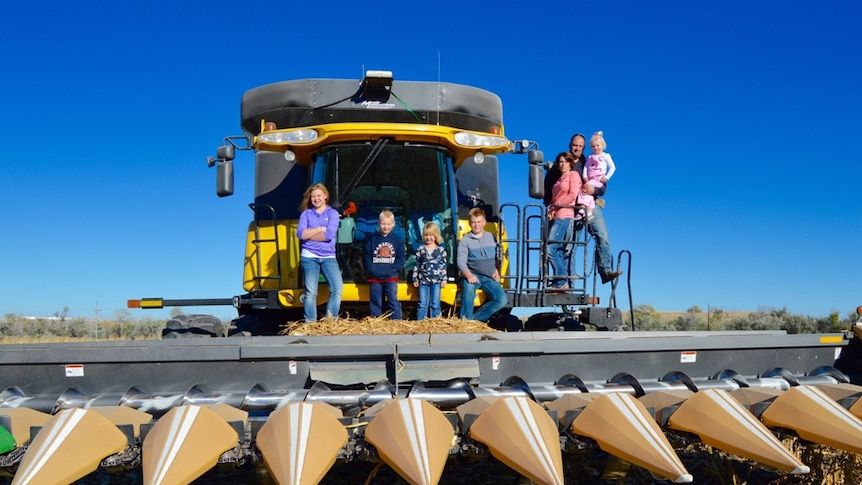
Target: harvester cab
pixel 426 151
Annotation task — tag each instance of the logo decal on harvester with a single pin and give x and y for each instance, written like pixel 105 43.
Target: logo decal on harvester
pixel 377 105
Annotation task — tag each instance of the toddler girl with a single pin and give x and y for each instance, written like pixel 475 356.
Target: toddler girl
pixel 597 171
pixel 429 273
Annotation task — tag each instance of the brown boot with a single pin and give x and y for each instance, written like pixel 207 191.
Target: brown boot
pixel 611 276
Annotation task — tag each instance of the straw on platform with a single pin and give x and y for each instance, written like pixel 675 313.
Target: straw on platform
pixel 384 326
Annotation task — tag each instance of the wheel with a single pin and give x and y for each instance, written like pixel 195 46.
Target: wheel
pixel 541 322
pixel 269 323
pixel 504 320
pixel 190 326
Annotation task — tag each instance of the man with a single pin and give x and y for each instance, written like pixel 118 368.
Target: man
pixel 477 260
pixel 596 226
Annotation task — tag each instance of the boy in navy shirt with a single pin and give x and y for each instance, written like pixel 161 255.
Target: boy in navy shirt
pixel 384 258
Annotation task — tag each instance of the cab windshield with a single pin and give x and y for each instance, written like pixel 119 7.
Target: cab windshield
pixel 411 181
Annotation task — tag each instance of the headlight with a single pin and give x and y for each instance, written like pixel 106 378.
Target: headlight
pixel 469 139
pixel 295 137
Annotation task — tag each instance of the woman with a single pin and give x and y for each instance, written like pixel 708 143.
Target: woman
pixel 318 226
pixel 563 196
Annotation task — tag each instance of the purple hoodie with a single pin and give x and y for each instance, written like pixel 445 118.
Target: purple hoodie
pixel 311 219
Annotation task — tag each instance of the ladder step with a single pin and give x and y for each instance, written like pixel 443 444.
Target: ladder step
pixel 258 240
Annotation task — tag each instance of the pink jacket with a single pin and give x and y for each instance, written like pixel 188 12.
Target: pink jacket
pixel 565 192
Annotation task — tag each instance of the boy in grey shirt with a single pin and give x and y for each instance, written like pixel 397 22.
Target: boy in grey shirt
pixel 477 261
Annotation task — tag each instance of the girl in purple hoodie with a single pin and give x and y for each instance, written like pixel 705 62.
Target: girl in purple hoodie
pixel 317 228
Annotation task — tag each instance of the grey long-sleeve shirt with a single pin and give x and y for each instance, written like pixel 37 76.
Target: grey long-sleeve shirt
pixel 478 254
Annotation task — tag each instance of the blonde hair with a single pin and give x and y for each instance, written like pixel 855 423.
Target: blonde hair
pixel 434 230
pixel 600 137
pixel 306 197
pixel 386 215
pixel 477 212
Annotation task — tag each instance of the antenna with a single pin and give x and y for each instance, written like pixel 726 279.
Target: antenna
pixel 439 88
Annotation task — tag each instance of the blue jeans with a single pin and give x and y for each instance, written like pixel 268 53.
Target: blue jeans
pixel 496 301
pixel 311 269
pixel 561 230
pixel 599 230
pixel 429 298
pixel 388 289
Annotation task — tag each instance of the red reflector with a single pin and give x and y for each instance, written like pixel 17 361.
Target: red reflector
pixel 133 304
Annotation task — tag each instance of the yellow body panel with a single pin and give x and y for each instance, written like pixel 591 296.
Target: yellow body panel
pixel 288 246
pixel 417 133
pixel 359 292
pixel 290 284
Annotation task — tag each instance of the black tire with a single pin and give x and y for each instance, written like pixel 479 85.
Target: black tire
pixel 541 322
pixel 504 321
pixel 271 323
pixel 193 326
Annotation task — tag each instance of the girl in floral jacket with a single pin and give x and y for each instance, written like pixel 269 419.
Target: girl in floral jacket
pixel 429 273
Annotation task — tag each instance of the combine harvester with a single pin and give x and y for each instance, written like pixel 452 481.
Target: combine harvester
pixel 175 408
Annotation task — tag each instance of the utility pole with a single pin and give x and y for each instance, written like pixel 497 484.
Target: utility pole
pixel 98 312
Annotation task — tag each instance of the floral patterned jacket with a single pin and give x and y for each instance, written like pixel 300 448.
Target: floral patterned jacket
pixel 430 266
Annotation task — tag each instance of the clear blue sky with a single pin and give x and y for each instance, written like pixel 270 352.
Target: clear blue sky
pixel 735 127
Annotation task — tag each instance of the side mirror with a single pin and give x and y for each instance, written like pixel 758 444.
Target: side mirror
pixel 535 157
pixel 537 179
pixel 224 178
pixel 537 182
pixel 225 152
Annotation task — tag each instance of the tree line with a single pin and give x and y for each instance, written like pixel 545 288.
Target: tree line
pixel 647 318
pixel 121 326
pixel 125 327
